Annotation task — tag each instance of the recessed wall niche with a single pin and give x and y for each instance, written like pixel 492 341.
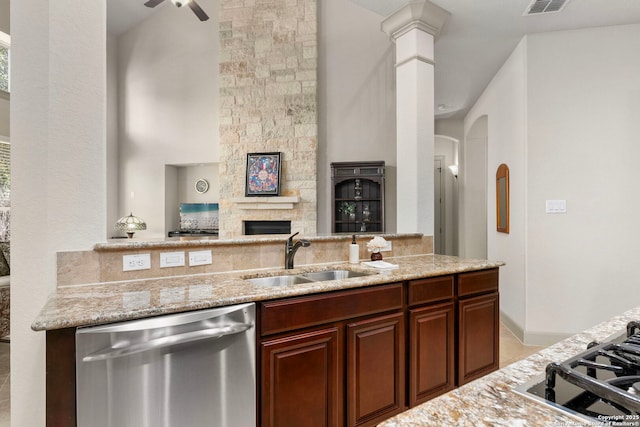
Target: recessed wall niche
pixel 180 187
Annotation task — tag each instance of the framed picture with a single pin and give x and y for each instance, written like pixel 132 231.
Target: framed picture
pixel 263 174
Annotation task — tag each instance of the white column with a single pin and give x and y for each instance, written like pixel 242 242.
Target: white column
pixel 414 29
pixel 58 161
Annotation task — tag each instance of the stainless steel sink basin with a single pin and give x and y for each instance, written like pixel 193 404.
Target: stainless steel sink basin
pixel 320 276
pixel 279 280
pixel 296 279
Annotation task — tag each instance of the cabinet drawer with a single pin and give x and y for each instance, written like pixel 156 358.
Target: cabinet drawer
pixel 302 312
pixel 478 282
pixel 430 290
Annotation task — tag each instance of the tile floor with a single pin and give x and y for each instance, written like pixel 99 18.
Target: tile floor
pixel 511 350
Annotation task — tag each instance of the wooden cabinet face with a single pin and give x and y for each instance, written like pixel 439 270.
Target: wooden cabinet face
pixel 302 380
pixel 375 369
pixel 431 357
pixel 357 193
pixel 478 337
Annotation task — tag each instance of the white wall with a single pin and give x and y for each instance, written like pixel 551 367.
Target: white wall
pixel 113 211
pixel 168 109
pixel 453 128
pixel 561 105
pixel 356 85
pixel 58 168
pixel 583 128
pixel 503 101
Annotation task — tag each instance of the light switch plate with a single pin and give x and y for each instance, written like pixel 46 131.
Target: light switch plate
pixel 136 262
pixel 171 259
pixel 556 206
pixel 387 248
pixel 199 258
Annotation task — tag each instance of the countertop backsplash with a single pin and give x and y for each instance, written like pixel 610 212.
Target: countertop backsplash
pixel 104 263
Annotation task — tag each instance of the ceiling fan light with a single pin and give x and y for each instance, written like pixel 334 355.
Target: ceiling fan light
pixel 180 3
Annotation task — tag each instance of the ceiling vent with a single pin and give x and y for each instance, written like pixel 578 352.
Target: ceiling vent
pixel 545 6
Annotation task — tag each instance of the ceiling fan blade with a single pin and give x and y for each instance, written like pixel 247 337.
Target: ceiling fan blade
pixel 153 3
pixel 197 10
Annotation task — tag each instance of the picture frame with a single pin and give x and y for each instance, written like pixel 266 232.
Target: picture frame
pixel 263 174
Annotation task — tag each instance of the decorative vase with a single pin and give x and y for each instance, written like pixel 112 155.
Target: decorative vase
pixel 376 256
pixel 366 213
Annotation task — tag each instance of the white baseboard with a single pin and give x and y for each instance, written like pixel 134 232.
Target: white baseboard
pixel 532 338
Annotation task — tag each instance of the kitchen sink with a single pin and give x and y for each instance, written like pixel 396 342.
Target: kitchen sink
pixel 320 276
pixel 296 279
pixel 279 280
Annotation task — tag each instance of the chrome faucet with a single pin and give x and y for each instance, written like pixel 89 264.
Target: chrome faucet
pixel 291 249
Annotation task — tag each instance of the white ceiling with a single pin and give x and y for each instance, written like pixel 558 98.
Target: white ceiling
pixel 475 42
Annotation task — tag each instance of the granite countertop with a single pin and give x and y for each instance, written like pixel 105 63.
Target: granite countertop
pixel 200 240
pixel 491 401
pixel 99 303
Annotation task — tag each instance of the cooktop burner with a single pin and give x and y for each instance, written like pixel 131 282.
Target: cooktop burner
pixel 601 384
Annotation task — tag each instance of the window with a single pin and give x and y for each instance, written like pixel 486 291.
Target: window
pixel 5 43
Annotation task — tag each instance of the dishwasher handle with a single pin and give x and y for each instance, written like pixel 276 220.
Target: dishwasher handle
pixel 157 343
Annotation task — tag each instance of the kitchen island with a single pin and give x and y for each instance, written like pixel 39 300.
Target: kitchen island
pixel 491 401
pixel 448 306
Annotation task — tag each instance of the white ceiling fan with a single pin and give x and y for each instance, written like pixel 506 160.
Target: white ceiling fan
pixel 191 3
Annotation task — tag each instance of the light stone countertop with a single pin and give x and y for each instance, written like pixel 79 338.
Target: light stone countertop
pixel 200 240
pixel 99 303
pixel 490 401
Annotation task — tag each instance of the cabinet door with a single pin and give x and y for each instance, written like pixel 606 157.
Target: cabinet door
pixel 302 380
pixel 431 357
pixel 375 369
pixel 478 337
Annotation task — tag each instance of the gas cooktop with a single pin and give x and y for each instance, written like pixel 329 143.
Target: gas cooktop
pixel 601 385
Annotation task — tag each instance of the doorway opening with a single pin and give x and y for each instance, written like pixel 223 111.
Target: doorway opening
pixel 475 178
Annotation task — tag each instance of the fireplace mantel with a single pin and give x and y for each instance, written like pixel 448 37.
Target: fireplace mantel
pixel 270 203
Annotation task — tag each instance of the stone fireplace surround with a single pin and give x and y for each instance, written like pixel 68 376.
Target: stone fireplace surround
pixel 268 103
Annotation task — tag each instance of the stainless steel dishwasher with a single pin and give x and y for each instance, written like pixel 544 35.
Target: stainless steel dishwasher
pixel 191 369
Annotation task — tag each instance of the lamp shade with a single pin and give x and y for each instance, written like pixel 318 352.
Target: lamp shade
pixel 130 224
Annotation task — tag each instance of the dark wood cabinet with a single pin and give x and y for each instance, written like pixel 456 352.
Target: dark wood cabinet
pixel 357 190
pixel 375 369
pixel 478 325
pixel 431 338
pixel 61 378
pixel 302 380
pixel 431 352
pixel 361 335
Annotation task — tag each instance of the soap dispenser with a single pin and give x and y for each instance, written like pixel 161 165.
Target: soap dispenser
pixel 354 251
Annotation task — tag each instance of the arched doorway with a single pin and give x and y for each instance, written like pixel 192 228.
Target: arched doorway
pixel 474 191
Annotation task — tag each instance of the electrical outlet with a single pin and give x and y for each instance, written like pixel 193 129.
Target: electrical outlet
pixel 136 262
pixel 171 259
pixel 199 258
pixel 387 248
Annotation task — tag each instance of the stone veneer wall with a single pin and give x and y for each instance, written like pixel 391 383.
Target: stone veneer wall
pixel 105 265
pixel 268 103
